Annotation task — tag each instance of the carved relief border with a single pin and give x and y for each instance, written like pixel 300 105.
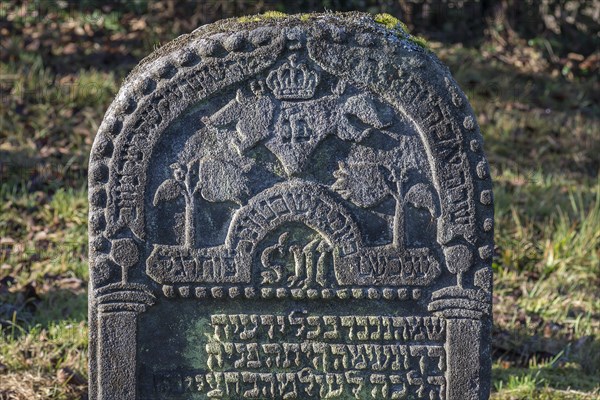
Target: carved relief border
pixel 252 292
pixel 140 114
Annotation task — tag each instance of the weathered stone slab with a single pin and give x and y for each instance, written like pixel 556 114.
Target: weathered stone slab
pixel 290 208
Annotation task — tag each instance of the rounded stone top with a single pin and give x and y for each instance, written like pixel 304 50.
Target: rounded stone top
pixel 284 84
pixel 243 36
pixel 373 54
pixel 229 36
pixel 326 159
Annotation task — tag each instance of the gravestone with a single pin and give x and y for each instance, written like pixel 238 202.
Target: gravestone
pixel 290 208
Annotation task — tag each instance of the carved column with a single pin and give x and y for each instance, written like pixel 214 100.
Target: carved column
pixel 462 352
pixel 463 310
pixel 115 344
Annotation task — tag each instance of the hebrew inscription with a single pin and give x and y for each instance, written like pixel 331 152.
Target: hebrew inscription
pixel 324 362
pixel 290 208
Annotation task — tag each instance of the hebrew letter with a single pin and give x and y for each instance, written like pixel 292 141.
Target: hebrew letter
pixel 240 349
pixel 380 384
pixel 316 322
pixel 268 320
pixel 235 324
pixel 273 354
pixel 401 361
pixel 214 382
pixel 353 378
pixel 382 357
pixel 320 359
pixel 267 385
pixel 420 351
pixel 339 356
pixel 219 322
pixel 348 322
pixel 297 321
pixel 416 328
pixel 387 328
pixel 415 379
pixel 307 380
pixel 358 357
pixel 438 351
pixel 293 348
pixel 284 380
pixel 281 323
pixel 215 355
pixel 435 328
pixel 252 378
pixel 331 320
pixel 253 356
pixel 397 387
pixel 232 378
pixel 374 321
pixel 249 321
pixel 440 391
pixel 335 385
pixel 364 334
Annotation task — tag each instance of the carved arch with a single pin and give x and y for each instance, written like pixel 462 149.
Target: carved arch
pixel 295 201
pixel 170 84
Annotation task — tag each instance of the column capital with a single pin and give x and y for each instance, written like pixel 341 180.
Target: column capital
pixel 459 303
pixel 124 297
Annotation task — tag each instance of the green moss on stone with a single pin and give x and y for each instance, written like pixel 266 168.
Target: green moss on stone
pixel 274 14
pixel 249 18
pixel 399 29
pixel 262 17
pixel 390 22
pixel 419 41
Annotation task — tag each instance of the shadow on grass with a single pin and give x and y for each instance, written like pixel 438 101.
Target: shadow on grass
pixel 21 310
pixel 20 169
pixel 62 304
pixel 553 362
pixel 566 377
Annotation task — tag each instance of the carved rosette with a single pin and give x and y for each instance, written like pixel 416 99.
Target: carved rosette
pixel 255 107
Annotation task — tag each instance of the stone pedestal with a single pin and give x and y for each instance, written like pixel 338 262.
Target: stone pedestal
pixel 463 310
pixel 463 364
pixel 114 345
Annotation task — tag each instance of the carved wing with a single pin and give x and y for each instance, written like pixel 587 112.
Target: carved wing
pixel 361 110
pixel 167 191
pixel 361 183
pixel 249 116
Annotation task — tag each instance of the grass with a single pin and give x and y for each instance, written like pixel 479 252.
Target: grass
pixel 543 382
pixel 540 124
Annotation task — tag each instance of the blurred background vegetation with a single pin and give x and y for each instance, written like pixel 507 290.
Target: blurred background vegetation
pixel 529 67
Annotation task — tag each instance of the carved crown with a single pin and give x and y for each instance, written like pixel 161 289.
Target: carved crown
pixel 293 80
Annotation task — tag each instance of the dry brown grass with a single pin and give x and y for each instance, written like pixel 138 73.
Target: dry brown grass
pixel 38 386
